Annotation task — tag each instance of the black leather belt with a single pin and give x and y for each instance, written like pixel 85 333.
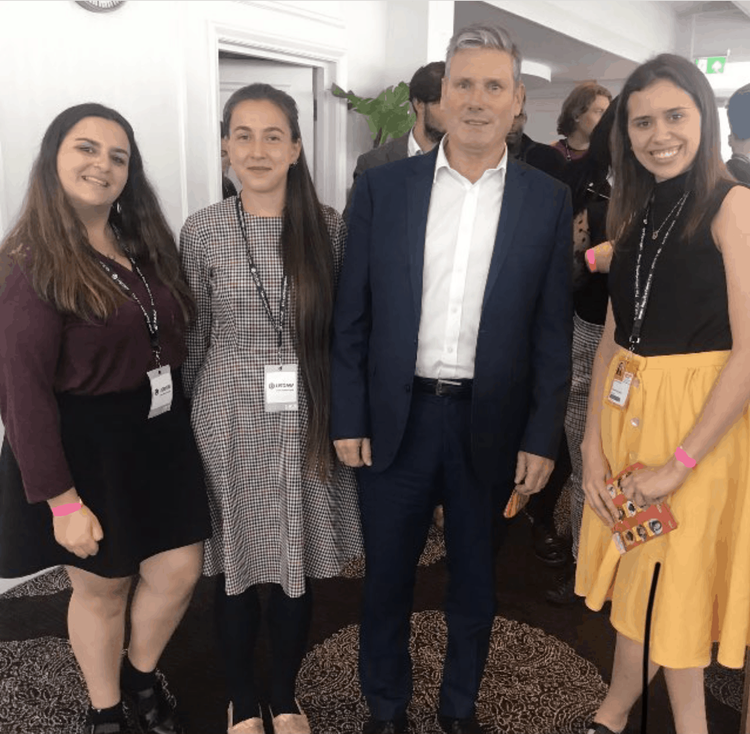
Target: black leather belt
pixel 443 388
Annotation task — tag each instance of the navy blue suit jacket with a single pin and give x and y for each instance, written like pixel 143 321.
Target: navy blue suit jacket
pixel 523 353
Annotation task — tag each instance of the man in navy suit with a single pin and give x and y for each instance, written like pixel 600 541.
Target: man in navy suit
pixel 450 367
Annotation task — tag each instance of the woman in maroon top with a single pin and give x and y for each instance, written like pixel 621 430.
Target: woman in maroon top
pixel 580 114
pixel 99 470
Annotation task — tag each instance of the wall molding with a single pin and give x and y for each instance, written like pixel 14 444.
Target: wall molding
pixel 286 9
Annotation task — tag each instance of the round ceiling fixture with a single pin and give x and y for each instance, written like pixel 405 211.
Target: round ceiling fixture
pixel 100 6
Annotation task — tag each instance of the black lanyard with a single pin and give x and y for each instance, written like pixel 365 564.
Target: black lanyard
pixel 641 300
pixel 278 325
pixel 152 322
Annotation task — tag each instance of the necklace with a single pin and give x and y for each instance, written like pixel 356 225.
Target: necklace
pixel 680 203
pixel 641 299
pixel 567 149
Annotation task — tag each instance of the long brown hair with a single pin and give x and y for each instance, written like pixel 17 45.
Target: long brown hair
pixel 308 261
pixel 634 185
pixel 578 102
pixel 51 242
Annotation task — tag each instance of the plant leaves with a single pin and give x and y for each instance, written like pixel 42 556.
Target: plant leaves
pixel 389 115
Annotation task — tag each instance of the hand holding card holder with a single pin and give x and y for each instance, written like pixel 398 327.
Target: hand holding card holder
pixel 516 503
pixel 637 525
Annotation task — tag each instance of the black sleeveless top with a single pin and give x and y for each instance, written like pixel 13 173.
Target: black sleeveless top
pixel 687 311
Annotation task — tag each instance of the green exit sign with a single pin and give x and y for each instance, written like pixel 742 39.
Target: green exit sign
pixel 712 64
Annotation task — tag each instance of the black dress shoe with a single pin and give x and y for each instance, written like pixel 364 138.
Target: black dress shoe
pixel 563 593
pixel 460 726
pixel 549 547
pixel 386 726
pixel 154 713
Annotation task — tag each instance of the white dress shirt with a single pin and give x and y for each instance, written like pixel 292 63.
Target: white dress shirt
pixel 413 145
pixel 459 241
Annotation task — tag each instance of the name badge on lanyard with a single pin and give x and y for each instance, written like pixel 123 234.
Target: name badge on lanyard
pixel 280 381
pixel 281 386
pixel 619 391
pixel 160 379
pixel 161 390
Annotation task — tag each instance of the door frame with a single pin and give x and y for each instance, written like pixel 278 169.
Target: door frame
pixel 329 65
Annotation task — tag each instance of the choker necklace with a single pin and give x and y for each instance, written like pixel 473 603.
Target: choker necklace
pixel 680 203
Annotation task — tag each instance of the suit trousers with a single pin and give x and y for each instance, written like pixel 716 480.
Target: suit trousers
pixel 433 463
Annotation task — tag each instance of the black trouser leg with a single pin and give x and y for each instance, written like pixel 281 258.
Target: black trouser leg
pixel 238 623
pixel 289 627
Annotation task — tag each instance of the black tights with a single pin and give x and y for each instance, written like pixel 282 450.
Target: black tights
pixel 238 620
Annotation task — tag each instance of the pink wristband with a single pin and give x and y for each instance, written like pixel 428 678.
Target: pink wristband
pixel 684 458
pixel 591 258
pixel 61 510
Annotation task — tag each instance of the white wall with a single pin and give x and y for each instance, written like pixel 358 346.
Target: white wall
pixel 154 62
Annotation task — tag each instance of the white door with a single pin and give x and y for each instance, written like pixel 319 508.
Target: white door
pixel 296 81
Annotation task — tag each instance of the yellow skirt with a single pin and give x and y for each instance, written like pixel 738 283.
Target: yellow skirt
pixel 703 593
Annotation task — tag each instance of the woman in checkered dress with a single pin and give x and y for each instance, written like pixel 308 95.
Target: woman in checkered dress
pixel 283 510
pixel 590 188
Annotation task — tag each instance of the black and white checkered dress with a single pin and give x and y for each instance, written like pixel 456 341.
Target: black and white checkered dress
pixel 272 523
pixel 586 338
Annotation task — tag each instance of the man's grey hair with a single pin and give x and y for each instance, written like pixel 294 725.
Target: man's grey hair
pixel 485 35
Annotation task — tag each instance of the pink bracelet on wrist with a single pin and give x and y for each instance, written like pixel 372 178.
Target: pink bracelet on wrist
pixel 591 259
pixel 684 458
pixel 68 509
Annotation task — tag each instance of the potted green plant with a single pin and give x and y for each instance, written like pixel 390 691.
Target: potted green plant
pixel 389 115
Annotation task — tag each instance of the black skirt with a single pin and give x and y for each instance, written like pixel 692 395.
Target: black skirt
pixel 142 478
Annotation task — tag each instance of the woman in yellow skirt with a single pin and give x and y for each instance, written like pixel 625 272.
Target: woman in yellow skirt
pixel 679 320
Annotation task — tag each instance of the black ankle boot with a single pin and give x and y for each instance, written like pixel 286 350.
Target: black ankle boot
pixel 116 724
pixel 154 712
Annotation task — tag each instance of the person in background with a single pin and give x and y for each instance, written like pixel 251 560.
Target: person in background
pixel 589 181
pixel 523 148
pixel 424 96
pixel 443 388
pixel 96 472
pixel 679 324
pixel 580 114
pixel 738 114
pixel 227 187
pixel 263 266
pixel 549 547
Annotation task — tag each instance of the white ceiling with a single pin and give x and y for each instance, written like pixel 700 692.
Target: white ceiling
pixel 718 26
pixel 571 60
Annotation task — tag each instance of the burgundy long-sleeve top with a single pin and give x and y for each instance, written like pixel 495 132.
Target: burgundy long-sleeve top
pixel 43 352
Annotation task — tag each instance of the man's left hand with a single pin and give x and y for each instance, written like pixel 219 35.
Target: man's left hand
pixel 532 472
pixel 654 483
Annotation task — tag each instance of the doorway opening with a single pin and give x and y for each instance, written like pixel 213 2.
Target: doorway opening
pixel 298 80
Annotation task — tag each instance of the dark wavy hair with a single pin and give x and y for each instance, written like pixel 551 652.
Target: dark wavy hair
pixel 308 261
pixel 634 185
pixel 51 242
pixel 427 82
pixel 578 102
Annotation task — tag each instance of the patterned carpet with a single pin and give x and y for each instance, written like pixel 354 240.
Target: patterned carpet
pixel 544 674
pixel 41 685
pixel 521 692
